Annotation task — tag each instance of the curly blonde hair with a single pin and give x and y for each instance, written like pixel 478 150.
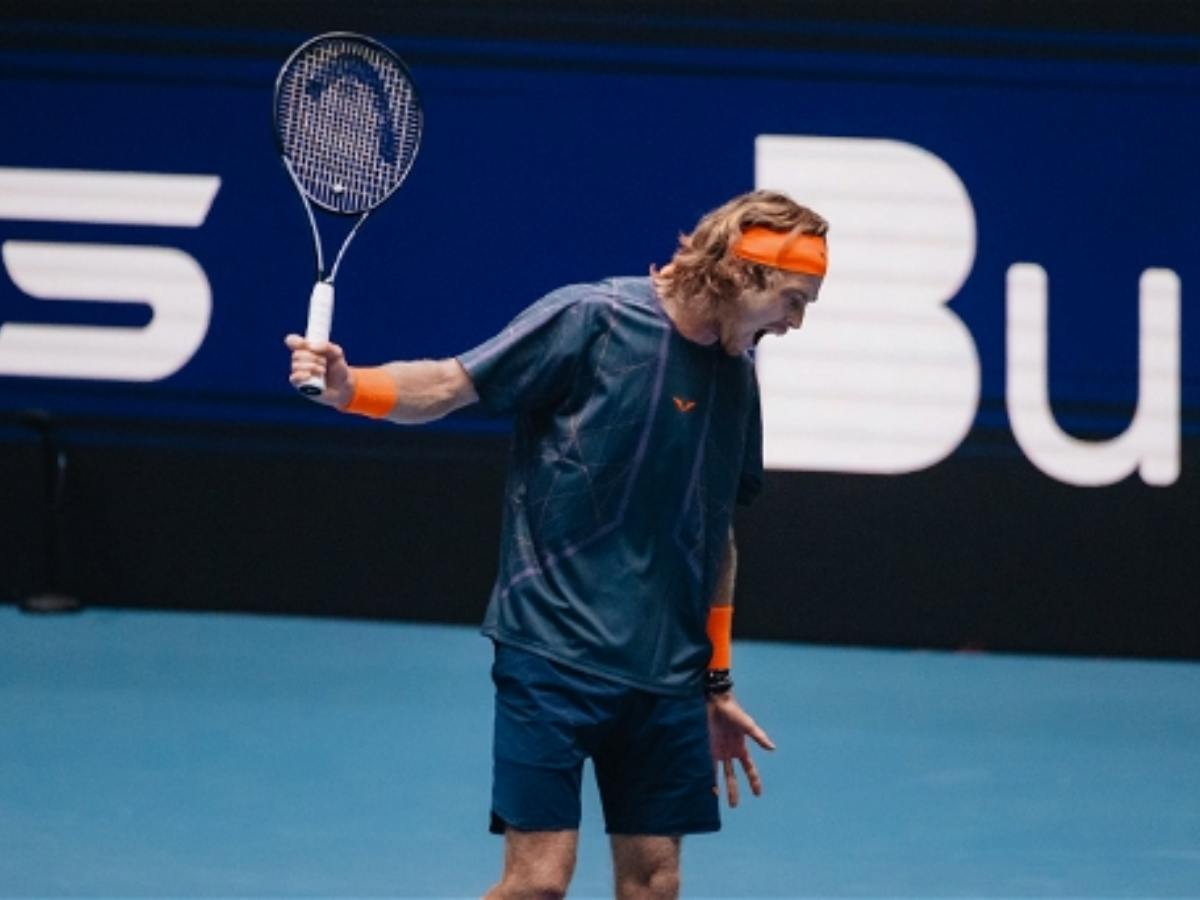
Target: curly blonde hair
pixel 704 276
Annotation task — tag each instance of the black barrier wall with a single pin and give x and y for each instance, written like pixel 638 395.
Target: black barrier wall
pixel 406 526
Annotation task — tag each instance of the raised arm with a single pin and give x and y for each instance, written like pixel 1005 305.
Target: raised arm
pixel 408 393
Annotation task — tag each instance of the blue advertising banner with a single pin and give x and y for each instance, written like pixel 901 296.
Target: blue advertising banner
pixel 155 253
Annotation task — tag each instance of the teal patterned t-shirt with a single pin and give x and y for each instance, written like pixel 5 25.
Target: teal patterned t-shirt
pixel 632 444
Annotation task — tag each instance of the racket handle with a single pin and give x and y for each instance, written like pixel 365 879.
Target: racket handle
pixel 320 323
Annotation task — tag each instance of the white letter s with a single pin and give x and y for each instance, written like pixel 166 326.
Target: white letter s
pixel 170 281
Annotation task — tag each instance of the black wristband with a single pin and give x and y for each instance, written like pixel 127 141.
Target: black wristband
pixel 717 681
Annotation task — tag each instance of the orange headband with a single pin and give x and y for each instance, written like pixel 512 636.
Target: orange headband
pixel 803 253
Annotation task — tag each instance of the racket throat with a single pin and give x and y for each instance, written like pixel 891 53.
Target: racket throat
pixel 337 261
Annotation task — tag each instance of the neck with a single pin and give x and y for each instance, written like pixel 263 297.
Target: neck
pixel 685 321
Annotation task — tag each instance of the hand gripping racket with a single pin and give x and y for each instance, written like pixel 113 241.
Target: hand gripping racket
pixel 348 124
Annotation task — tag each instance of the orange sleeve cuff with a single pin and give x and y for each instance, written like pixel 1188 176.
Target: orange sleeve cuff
pixel 720 635
pixel 375 393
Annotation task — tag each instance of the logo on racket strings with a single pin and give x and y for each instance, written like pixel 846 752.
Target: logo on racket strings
pixel 346 74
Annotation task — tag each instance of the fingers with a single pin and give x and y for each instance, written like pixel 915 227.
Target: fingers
pixel 302 372
pixel 759 736
pixel 752 775
pixel 306 365
pixel 311 359
pixel 331 351
pixel 732 791
pixel 753 778
pixel 751 728
pixel 740 719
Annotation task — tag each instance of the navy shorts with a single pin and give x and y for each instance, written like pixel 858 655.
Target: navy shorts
pixel 650 751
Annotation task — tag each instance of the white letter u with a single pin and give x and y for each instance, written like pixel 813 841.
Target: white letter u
pixel 1151 442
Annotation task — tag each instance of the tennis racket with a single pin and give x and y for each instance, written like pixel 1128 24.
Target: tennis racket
pixel 348 125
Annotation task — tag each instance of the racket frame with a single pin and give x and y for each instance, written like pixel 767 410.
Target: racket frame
pixel 320 304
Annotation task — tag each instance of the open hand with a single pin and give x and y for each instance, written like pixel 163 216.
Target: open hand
pixel 728 727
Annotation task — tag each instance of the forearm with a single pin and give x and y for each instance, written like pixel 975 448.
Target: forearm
pixel 720 625
pixel 413 392
pixel 726 575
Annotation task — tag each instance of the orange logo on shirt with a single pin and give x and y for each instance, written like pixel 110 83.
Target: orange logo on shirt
pixel 684 406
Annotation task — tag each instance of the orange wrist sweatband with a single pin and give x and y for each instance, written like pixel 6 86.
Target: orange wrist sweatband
pixel 720 635
pixel 802 253
pixel 375 393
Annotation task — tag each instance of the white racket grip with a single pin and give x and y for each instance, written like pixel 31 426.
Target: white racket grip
pixel 320 323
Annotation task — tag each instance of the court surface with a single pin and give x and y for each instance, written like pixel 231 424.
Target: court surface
pixel 179 755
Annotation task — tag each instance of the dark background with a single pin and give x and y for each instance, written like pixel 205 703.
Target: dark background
pixel 219 489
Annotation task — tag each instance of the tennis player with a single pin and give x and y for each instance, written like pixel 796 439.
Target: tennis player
pixel 637 429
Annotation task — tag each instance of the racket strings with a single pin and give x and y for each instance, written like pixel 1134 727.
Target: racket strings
pixel 349 123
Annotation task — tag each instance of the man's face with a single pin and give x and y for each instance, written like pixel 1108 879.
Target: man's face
pixel 775 310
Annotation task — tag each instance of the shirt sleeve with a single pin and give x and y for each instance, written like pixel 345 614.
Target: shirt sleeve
pixel 750 484
pixel 531 364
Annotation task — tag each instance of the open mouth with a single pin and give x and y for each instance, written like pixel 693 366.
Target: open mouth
pixel 778 330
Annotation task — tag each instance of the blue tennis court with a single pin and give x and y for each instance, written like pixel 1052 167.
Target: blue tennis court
pixel 172 755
